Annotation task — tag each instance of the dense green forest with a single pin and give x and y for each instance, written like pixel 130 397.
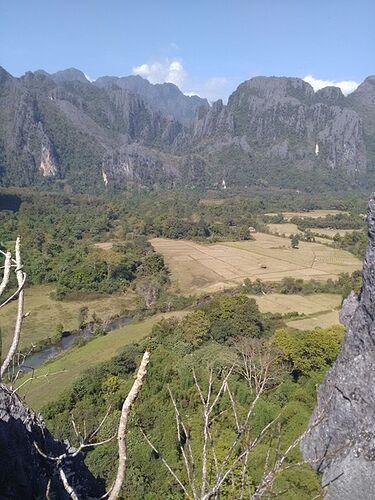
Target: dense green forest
pixel 218 336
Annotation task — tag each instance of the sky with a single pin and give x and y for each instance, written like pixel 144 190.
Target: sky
pixel 206 47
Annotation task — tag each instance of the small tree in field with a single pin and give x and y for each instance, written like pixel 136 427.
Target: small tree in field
pixel 294 240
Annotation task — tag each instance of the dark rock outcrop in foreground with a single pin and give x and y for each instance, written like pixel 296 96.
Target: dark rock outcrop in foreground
pixel 24 473
pixel 342 445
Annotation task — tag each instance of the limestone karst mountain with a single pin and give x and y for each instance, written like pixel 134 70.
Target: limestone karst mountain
pixel 124 132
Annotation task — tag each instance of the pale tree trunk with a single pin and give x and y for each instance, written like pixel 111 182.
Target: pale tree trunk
pixel 142 370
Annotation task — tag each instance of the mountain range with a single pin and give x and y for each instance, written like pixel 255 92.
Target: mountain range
pixel 118 133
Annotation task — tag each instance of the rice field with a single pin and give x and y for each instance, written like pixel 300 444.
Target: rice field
pixel 289 228
pixel 319 303
pixel 330 233
pixel 197 268
pixel 321 309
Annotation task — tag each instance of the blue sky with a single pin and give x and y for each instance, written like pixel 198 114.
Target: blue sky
pixel 204 46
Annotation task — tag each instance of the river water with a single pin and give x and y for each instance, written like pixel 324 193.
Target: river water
pixel 37 359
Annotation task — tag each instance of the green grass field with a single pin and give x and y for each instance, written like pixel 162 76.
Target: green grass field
pixel 46 313
pixel 59 373
pixel 197 268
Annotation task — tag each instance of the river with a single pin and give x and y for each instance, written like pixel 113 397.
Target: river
pixel 38 358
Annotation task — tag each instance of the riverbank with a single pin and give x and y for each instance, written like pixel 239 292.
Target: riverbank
pixel 56 375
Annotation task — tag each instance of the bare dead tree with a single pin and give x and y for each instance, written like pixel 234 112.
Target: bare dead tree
pixel 128 403
pixel 148 290
pixel 15 264
pixel 257 364
pixel 86 441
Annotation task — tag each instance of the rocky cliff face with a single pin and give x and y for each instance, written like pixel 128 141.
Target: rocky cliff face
pixel 273 131
pixel 64 128
pixel 166 98
pixel 24 472
pixel 281 121
pixel 342 445
pixel 362 100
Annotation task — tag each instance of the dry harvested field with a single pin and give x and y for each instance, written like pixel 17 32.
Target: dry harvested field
pixel 105 245
pixel 307 304
pixel 317 320
pixel 198 268
pixel 331 232
pixel 288 228
pixel 314 214
pixel 321 309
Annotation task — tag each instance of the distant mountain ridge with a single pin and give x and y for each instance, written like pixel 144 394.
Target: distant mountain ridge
pixel 126 132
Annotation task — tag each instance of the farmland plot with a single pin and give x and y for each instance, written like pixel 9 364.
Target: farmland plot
pixel 196 268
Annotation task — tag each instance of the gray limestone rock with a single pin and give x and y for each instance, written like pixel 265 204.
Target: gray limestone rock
pixel 24 473
pixel 342 445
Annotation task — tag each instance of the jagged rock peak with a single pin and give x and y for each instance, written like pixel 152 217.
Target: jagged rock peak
pixel 69 75
pixel 330 95
pixel 370 80
pixel 164 97
pixel 4 75
pixel 342 445
pixel 276 87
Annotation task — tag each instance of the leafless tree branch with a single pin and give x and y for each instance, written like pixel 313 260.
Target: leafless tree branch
pixel 168 467
pixel 21 278
pixel 66 484
pixel 142 371
pixel 6 275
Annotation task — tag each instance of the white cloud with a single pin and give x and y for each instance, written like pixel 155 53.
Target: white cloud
pixel 217 88
pixel 212 89
pixel 347 86
pixel 171 71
